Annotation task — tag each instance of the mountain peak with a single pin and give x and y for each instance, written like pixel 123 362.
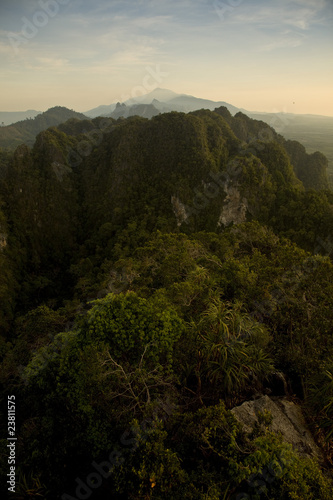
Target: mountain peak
pixel 159 94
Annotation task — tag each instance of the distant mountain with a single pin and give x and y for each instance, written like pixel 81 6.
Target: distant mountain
pixel 164 101
pixel 102 110
pixel 181 102
pixel 188 103
pixel 314 132
pixel 200 171
pixel 162 95
pixel 9 117
pixel 198 233
pixel 26 131
pixel 143 110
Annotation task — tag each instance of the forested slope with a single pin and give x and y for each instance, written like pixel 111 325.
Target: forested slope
pixel 155 274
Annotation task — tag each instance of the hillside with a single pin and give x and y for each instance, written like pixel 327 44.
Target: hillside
pixel 166 302
pixel 314 132
pixel 25 131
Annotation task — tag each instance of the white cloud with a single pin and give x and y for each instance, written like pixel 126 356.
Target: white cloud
pixel 298 13
pixel 282 43
pixel 103 47
pixel 49 63
pixel 151 22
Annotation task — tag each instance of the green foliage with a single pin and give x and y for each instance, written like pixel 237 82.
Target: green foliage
pixel 321 399
pixel 25 131
pixel 29 487
pixel 310 169
pixel 128 323
pixel 303 217
pixel 276 471
pixel 274 157
pixel 187 313
pixel 117 365
pixel 35 330
pixel 153 470
pixel 8 283
pixel 232 348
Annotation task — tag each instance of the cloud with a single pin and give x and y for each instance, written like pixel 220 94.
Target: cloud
pixel 281 43
pixel 49 63
pixel 300 14
pixel 316 4
pixel 151 22
pixel 105 46
pixel 269 25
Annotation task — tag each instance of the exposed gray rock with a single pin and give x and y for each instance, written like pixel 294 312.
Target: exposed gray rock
pixel 234 208
pixel 288 420
pixel 179 210
pixel 3 241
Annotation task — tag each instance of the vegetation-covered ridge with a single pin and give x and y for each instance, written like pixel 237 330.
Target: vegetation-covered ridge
pixel 25 131
pixel 155 274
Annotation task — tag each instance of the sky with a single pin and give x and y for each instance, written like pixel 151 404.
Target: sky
pixel 260 55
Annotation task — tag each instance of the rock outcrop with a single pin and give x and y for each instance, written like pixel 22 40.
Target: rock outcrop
pixel 234 208
pixel 287 419
pixel 179 210
pixel 3 241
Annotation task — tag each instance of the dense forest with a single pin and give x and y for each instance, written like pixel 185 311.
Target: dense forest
pixel 155 275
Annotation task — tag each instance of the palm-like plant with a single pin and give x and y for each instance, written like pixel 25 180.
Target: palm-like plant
pixel 29 487
pixel 232 347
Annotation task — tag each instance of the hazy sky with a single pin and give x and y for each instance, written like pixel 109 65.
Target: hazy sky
pixel 265 55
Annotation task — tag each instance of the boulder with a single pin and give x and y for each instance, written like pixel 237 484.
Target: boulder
pixel 288 420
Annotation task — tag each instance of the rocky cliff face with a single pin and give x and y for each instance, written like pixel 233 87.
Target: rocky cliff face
pixel 179 210
pixel 3 241
pixel 234 209
pixel 287 419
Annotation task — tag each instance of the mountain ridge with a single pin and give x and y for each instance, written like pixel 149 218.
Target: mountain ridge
pixel 25 131
pixel 209 259
pixel 169 98
pixel 315 132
